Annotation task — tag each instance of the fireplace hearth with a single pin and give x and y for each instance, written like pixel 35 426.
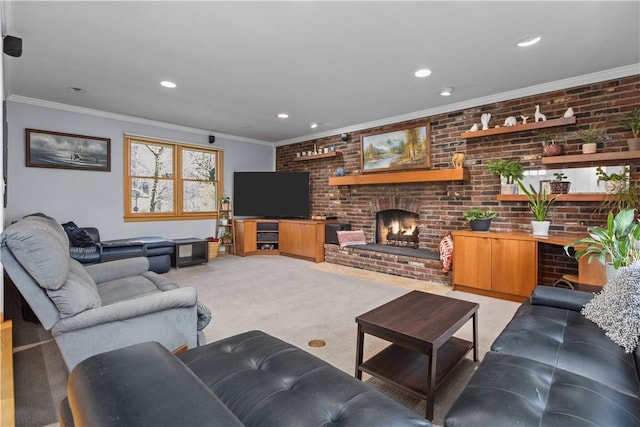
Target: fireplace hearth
pixel 397 227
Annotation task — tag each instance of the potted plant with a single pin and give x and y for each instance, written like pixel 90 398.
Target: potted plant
pixel 225 202
pixel 631 121
pixel 558 186
pixel 590 138
pixel 510 171
pixel 479 219
pixel 227 238
pixel 550 146
pixel 615 245
pixel 614 183
pixel 539 205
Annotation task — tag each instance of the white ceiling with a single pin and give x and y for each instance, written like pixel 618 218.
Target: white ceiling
pixel 341 64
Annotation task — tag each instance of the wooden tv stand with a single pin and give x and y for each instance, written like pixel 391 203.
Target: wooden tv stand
pixel 298 238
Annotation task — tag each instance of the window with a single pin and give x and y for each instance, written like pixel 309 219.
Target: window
pixel 170 181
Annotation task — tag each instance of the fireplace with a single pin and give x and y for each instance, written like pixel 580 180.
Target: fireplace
pixel 397 227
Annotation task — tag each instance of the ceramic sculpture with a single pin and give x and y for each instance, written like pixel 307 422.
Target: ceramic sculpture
pixel 484 119
pixel 568 113
pixel 538 115
pixel 524 119
pixel 510 121
pixel 474 128
pixel 457 160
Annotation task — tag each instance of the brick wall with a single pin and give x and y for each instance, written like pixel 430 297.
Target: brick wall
pixel 442 203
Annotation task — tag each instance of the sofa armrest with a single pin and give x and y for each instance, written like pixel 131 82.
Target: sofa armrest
pixel 113 270
pixel 128 309
pixel 560 297
pixel 164 393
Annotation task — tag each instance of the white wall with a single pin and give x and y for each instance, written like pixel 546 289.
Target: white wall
pixel 96 198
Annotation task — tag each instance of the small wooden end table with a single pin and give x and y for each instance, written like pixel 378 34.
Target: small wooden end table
pixel 420 327
pixel 190 251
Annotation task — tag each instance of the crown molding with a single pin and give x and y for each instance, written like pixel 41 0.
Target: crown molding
pixel 131 119
pixel 601 76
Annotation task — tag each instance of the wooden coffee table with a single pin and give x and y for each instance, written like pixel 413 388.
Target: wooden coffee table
pixel 420 327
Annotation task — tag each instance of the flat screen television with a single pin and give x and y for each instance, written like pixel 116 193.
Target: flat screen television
pixel 271 194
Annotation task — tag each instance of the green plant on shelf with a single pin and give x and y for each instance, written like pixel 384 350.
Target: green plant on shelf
pixel 559 176
pixel 539 203
pixel 472 214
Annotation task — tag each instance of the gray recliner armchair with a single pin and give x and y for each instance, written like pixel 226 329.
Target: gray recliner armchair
pixel 101 307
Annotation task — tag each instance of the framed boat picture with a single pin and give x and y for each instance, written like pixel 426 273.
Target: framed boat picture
pixel 47 149
pixel 397 149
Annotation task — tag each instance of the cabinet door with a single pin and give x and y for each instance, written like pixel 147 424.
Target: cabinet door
pixel 514 266
pixel 472 262
pixel 298 239
pixel 246 237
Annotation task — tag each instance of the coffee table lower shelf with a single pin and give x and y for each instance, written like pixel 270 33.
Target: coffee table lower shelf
pixel 408 369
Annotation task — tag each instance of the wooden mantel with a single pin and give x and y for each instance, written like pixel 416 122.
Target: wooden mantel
pixel 401 177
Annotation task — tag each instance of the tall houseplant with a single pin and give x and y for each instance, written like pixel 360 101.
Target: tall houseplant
pixel 616 243
pixel 539 205
pixel 510 171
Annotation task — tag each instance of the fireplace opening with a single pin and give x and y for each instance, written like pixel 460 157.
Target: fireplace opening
pixel 397 227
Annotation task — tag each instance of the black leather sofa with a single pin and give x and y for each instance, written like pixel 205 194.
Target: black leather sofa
pixel 87 248
pixel 251 379
pixel 552 367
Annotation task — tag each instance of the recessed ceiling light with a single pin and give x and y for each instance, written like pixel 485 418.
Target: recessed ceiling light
pixel 423 72
pixel 529 41
pixel 283 115
pixel 77 90
pixel 446 91
pixel 313 125
pixel 167 83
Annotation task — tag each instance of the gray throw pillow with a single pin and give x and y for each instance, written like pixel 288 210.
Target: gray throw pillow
pixel 616 309
pixel 41 246
pixel 77 294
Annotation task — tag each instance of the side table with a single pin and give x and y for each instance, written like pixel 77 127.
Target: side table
pixel 190 251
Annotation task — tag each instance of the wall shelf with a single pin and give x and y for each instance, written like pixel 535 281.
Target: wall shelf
pixel 571 197
pixel 562 121
pixel 318 156
pixel 585 158
pixel 402 177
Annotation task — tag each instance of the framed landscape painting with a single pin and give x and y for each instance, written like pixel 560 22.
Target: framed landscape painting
pixel 47 149
pixel 403 148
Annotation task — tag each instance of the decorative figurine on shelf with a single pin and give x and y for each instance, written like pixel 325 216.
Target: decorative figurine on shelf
pixel 339 172
pixel 538 115
pixel 457 160
pixel 524 119
pixel 484 119
pixel 510 121
pixel 568 113
pixel 474 128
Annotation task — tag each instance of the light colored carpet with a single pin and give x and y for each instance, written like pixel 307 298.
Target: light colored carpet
pixel 296 301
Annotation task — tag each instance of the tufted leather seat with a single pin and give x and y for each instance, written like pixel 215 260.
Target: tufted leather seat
pixel 551 367
pixel 251 379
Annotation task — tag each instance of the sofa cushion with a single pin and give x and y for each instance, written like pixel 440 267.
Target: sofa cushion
pixel 509 390
pixel 616 309
pixel 78 237
pixel 77 294
pixel 41 246
pixel 267 382
pixel 565 339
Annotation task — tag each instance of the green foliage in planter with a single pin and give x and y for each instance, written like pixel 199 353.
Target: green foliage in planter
pixel 617 242
pixel 631 121
pixel 548 139
pixel 510 171
pixel 589 135
pixel 603 176
pixel 538 203
pixel 477 213
pixel 559 176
